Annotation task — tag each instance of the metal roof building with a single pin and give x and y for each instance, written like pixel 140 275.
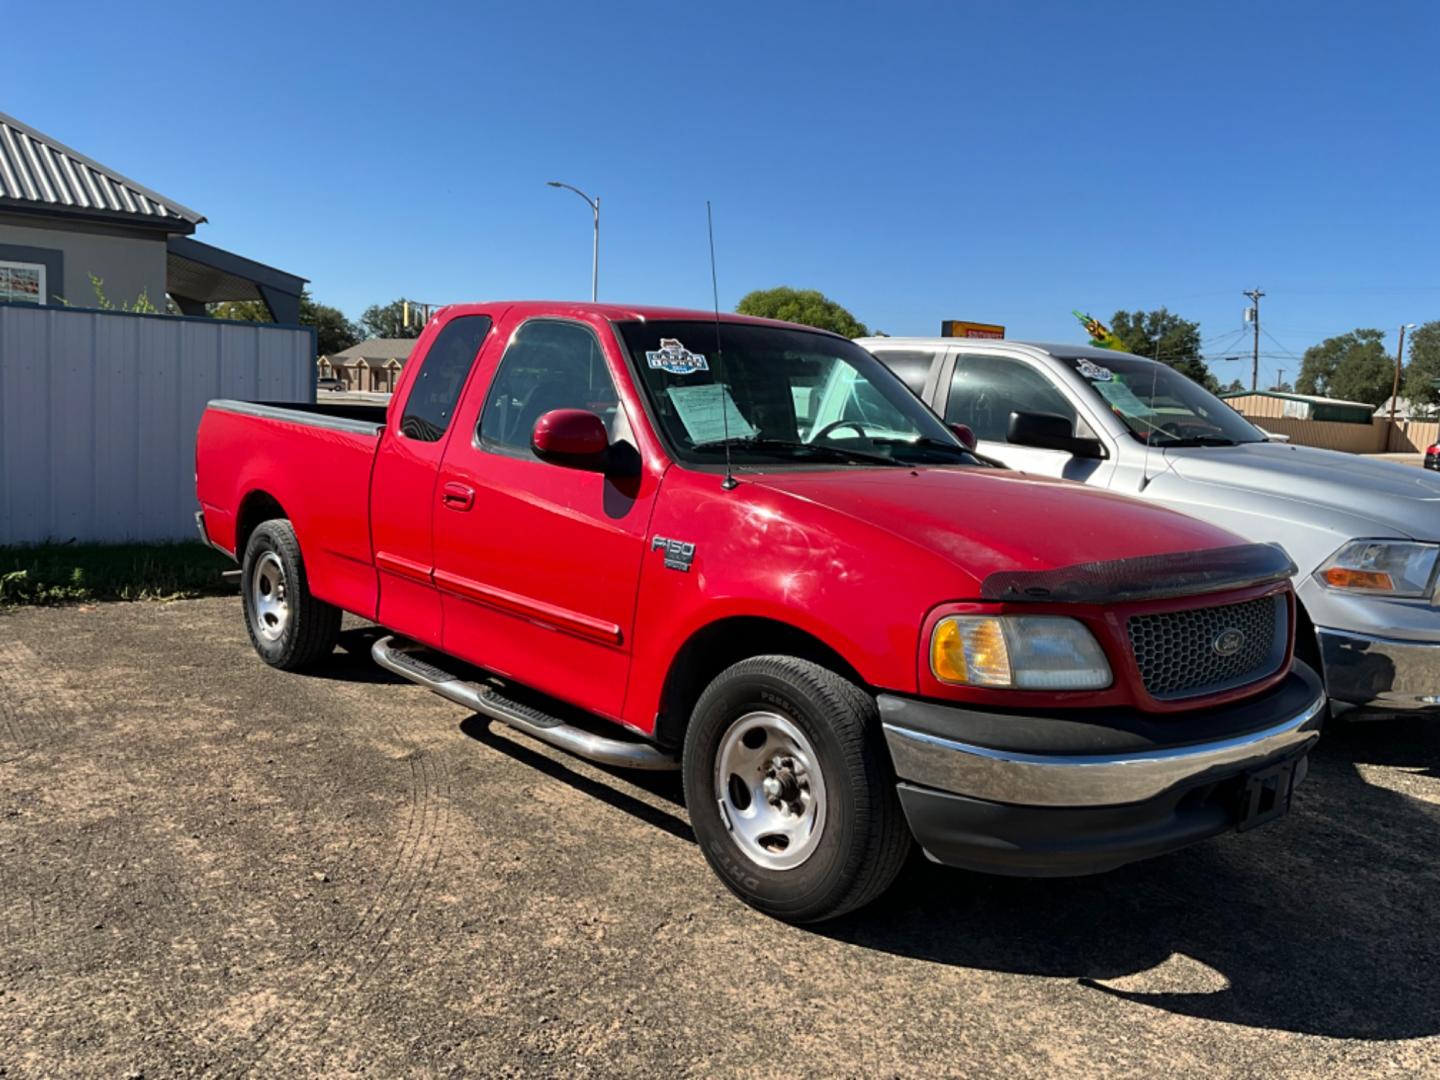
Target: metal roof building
pixel 1259 404
pixel 66 221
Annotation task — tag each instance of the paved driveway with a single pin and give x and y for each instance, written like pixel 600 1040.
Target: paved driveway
pixel 208 866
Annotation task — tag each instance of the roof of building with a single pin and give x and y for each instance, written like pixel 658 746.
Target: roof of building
pixel 377 349
pixel 1313 399
pixel 40 173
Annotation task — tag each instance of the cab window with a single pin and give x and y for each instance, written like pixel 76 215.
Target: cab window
pixel 912 365
pixel 430 404
pixel 548 365
pixel 985 390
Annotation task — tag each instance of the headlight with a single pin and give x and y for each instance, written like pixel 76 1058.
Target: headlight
pixel 1022 652
pixel 1386 567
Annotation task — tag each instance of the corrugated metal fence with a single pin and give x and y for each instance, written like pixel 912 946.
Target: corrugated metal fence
pixel 98 413
pixel 1328 434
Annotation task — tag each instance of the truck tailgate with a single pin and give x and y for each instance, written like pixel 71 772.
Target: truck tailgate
pixel 315 465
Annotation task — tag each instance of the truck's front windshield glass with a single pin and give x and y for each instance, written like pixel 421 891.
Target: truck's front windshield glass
pixel 780 396
pixel 1160 406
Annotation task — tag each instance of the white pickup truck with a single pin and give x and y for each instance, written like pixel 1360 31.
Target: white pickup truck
pixel 1365 534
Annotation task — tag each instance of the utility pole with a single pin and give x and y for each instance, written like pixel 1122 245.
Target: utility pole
pixel 1279 378
pixel 1399 354
pixel 1255 294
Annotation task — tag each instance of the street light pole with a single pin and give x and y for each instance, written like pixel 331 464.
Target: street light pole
pixel 594 205
pixel 1399 355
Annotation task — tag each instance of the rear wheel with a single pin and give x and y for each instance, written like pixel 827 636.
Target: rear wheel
pixel 288 626
pixel 790 790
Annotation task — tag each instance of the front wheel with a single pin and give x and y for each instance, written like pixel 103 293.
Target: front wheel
pixel 790 790
pixel 288 626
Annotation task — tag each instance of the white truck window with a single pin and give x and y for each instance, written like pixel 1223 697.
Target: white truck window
pixel 985 390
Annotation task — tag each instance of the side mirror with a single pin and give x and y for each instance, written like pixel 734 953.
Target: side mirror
pixel 966 434
pixel 1051 432
pixel 572 437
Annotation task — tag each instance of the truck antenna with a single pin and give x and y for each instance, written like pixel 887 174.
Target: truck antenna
pixel 729 483
pixel 1149 435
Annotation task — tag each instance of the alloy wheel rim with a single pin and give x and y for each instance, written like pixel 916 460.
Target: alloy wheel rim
pixel 770 790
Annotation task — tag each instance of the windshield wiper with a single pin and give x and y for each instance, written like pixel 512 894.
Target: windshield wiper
pixel 835 453
pixel 1199 440
pixel 926 442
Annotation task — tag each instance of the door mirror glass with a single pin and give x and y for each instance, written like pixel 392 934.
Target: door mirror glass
pixel 1049 431
pixel 573 437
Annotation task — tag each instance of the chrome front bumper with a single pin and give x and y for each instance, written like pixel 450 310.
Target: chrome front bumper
pixel 1380 674
pixel 1040 779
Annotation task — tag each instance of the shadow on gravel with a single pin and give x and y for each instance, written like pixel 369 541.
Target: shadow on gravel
pixel 663 785
pixel 351 661
pixel 1325 923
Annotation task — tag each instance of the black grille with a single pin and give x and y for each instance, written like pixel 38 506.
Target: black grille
pixel 1177 651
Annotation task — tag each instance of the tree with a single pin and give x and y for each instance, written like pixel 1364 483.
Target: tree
pixel 1422 374
pixel 388 320
pixel 1353 367
pixel 333 331
pixel 1281 388
pixel 1235 386
pixel 1164 336
pixel 809 307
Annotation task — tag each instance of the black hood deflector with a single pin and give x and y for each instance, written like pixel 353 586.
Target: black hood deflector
pixel 1146 577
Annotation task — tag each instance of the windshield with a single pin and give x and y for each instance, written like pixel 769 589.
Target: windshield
pixel 780 396
pixel 1159 405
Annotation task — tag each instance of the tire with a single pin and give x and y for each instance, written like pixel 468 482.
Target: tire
pixel 288 626
pixel 846 839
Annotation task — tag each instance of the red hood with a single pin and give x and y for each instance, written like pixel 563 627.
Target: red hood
pixel 984 520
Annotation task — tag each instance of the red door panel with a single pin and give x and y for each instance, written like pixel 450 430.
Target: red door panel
pixel 404 485
pixel 538 579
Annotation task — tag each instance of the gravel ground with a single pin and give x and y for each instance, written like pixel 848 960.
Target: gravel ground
pixel 209 867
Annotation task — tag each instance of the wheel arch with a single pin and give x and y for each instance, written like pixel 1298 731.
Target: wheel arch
pixel 257 506
pixel 726 641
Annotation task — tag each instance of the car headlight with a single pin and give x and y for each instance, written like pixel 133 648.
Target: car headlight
pixel 1386 567
pixel 1022 652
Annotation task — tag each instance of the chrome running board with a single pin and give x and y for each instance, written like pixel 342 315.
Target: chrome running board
pixel 489 701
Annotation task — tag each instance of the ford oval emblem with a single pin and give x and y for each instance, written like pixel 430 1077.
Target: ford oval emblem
pixel 1228 642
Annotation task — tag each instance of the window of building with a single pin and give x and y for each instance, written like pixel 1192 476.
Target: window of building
pixel 548 365
pixel 22 283
pixel 436 390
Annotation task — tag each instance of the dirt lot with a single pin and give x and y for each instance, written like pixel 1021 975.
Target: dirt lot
pixel 210 867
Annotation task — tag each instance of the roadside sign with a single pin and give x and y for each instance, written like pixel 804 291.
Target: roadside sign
pixel 959 328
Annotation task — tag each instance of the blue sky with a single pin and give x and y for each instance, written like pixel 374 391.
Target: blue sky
pixel 1001 162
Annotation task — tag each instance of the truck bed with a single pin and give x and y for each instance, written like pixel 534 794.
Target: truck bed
pixel 314 461
pixel 353 416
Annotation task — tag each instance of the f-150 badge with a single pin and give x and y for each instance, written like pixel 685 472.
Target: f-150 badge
pixel 679 554
pixel 675 358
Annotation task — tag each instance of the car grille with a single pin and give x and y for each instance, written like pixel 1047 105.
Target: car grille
pixel 1182 653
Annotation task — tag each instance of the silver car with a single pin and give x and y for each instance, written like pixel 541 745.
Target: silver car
pixel 1365 534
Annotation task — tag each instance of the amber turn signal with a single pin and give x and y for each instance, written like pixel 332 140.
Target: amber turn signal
pixel 1342 577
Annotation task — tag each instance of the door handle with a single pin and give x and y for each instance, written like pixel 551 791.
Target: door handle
pixel 457 496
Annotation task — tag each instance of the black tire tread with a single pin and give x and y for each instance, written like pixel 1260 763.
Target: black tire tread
pixel 315 625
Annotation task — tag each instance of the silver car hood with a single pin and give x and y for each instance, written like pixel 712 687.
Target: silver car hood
pixel 1398 499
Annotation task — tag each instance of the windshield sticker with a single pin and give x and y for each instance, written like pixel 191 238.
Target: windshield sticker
pixel 699 410
pixel 675 358
pixel 1123 398
pixel 1093 371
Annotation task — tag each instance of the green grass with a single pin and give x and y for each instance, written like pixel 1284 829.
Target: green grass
pixel 81 573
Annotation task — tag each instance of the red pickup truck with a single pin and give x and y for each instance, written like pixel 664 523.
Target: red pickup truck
pixel 743 549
